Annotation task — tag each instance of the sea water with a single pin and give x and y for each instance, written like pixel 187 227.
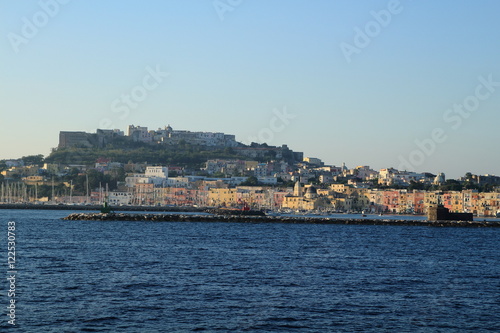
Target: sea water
pixel 248 277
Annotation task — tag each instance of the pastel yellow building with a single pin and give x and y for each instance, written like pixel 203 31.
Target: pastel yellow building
pixel 33 180
pixel 488 204
pixel 431 199
pixel 339 188
pixel 225 197
pixel 457 205
pixel 310 200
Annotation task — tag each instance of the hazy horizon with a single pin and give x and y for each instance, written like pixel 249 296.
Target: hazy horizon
pixel 403 84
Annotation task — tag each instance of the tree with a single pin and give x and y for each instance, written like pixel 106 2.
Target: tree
pixel 471 186
pixel 451 185
pixel 33 160
pixel 487 188
pixel 251 181
pixel 416 186
pixel 118 174
pixel 283 183
pixel 313 180
pixel 73 173
pixel 270 155
pixel 44 191
pixel 218 174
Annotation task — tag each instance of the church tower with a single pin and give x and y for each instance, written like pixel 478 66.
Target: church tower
pixel 297 190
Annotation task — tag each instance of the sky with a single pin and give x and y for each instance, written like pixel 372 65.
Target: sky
pixel 413 85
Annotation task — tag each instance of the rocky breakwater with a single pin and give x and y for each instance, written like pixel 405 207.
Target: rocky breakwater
pixel 268 219
pixel 138 217
pixel 234 212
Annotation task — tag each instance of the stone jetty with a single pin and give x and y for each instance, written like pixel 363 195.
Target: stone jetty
pixel 268 219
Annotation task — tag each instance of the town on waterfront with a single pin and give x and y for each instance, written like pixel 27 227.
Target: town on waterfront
pixel 250 166
pixel 167 167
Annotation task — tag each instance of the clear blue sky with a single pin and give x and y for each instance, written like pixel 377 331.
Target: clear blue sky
pixel 232 67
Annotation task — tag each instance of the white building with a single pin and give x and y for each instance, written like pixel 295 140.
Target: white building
pixel 136 178
pixel 440 179
pixel 326 179
pixel 268 180
pixel 156 171
pixel 392 176
pixel 120 198
pixel 364 172
pixel 177 182
pixel 170 136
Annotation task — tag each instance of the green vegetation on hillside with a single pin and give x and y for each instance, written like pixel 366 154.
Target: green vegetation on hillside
pixel 33 160
pixel 183 155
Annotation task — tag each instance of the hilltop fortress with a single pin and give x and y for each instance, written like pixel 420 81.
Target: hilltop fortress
pixel 168 136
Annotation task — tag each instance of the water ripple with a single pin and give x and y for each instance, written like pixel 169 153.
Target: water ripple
pixel 217 277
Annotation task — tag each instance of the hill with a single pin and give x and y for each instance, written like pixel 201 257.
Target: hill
pixel 182 154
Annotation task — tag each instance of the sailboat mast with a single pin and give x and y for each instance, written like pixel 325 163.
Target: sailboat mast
pixel 53 198
pixel 87 181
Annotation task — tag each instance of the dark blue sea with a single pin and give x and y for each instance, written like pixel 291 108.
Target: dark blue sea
pixel 248 277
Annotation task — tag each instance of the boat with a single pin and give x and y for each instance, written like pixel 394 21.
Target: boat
pixel 272 213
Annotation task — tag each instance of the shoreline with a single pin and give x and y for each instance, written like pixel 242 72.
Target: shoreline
pixel 268 219
pixel 98 208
